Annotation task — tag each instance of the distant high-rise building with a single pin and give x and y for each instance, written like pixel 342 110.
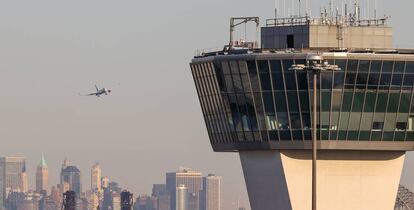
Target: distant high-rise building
pixel 210 195
pixel 116 201
pixel 190 178
pixel 107 202
pixel 193 201
pixel 105 182
pixel 162 195
pixel 181 197
pixel 145 202
pixel 13 176
pixel 127 200
pixel 96 175
pixel 42 176
pixel 71 176
pixel 69 200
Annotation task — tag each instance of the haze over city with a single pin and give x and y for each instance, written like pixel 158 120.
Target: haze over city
pixel 151 123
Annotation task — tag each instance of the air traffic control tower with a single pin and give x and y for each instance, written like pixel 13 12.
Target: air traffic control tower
pixel 258 102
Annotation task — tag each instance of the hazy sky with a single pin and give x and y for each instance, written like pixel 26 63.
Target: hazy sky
pixel 52 50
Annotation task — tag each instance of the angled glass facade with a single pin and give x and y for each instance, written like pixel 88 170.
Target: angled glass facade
pixel 251 98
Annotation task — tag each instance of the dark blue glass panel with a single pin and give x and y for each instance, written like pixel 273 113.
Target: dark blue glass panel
pixel 387 66
pixel 376 66
pixel 280 100
pixel 273 136
pixel 304 101
pixel 284 135
pixel 276 66
pixel 341 64
pixel 361 81
pixel 338 80
pixel 342 135
pixel 295 121
pixel 306 121
pixel 293 101
pixel 385 81
pixel 229 83
pixel 350 80
pixel 265 81
pixel 399 67
pixel 287 64
pixel 254 80
pixel 268 102
pixel 396 81
pixel 297 135
pixel 278 81
pixel 220 76
pixel 283 121
pixel 352 66
pixel 373 80
pixel 327 78
pixel 290 80
pixel 409 80
pixel 307 135
pixel 364 66
pixel 263 66
pixel 302 80
pixel 409 68
pixel 251 112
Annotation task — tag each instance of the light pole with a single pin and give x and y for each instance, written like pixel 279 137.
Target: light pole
pixel 314 64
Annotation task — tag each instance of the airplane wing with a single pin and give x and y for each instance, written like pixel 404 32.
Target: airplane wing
pixel 90 94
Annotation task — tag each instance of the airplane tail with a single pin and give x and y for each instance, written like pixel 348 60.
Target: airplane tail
pixel 97 89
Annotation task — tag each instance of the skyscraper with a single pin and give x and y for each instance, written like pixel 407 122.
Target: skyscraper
pixel 191 179
pixel 210 195
pixel 69 200
pixel 42 176
pixel 127 200
pixel 320 113
pixel 71 176
pixel 13 176
pixel 181 197
pixel 96 175
pixel 160 192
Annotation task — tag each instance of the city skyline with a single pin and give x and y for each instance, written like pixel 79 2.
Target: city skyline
pixel 205 188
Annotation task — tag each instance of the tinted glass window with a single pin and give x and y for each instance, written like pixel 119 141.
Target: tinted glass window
pixel 409 67
pixel 276 65
pixel 293 101
pixel 265 81
pixel 387 66
pixel 280 101
pixel 399 67
pixel 268 102
pixel 341 64
pixel 376 66
pixel 291 81
pixel 263 66
pixel 338 80
pixel 352 66
pixel 364 66
pixel 302 80
pixel 358 102
pixel 327 78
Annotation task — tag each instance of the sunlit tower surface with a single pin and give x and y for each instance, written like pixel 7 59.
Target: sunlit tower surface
pixel 259 102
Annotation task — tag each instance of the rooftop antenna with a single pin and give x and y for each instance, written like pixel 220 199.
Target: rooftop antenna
pixel 300 11
pixel 276 6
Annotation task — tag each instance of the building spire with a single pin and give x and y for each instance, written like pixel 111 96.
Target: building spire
pixel 43 162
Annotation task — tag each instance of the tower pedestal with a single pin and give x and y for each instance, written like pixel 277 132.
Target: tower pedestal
pixel 357 180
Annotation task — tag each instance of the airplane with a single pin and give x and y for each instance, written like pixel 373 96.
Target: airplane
pixel 98 92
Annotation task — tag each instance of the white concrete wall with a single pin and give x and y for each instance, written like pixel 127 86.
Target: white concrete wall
pixel 346 179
